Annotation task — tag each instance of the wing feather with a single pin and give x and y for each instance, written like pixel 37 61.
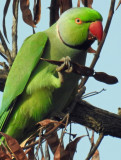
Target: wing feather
pixel 25 61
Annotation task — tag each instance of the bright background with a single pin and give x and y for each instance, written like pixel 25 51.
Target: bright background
pixel 109 62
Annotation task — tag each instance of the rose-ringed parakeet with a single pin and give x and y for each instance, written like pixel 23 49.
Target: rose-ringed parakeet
pixel 33 88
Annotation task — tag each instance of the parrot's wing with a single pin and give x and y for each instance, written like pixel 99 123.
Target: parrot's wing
pixel 26 60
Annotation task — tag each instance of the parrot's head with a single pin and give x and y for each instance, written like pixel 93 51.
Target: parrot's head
pixel 80 27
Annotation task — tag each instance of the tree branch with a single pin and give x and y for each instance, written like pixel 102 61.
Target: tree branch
pixel 97 119
pixel 14 30
pixel 54 11
pixel 3 77
pixel 2 52
pixel 100 138
pixel 2 49
pixel 7 52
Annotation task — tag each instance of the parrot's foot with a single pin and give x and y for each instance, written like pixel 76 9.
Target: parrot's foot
pixel 65 67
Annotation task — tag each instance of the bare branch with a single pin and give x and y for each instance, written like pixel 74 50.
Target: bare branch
pixel 3 56
pixel 100 138
pixel 63 132
pixel 47 134
pixel 4 65
pixel 2 52
pixel 110 15
pixel 3 77
pixel 14 30
pixel 97 119
pixel 2 49
pixel 7 52
pixel 54 11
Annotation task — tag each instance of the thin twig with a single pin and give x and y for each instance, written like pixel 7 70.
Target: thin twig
pixel 92 94
pixel 2 52
pixel 42 153
pixel 92 144
pixel 70 132
pixel 2 49
pixel 47 134
pixel 39 144
pixel 95 146
pixel 63 132
pixel 110 15
pixel 47 155
pixel 3 56
pixel 4 65
pixel 7 52
pixel 88 133
pixel 14 30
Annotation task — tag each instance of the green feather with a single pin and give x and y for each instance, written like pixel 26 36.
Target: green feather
pixel 26 60
pixel 35 84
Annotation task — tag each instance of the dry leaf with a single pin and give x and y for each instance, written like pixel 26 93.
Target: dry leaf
pixel 3 155
pixel 37 11
pixel 46 122
pixel 14 4
pixel 14 147
pixel 26 13
pixel 87 3
pixel 68 153
pixel 47 154
pixel 104 77
pixel 4 16
pixel 43 158
pixel 92 138
pixel 59 152
pixel 52 139
pixel 78 3
pixel 65 5
pixel 31 154
pixel 71 147
pixel 24 142
pixel 82 70
pixel 91 50
pixel 96 156
pixel 54 12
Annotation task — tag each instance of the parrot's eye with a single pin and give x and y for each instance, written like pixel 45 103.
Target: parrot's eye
pixel 78 21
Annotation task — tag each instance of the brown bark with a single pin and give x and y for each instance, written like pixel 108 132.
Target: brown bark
pixel 3 76
pixel 99 120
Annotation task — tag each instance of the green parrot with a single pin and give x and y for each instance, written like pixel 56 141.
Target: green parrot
pixel 34 88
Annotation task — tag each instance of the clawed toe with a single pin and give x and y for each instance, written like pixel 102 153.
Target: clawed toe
pixel 66 66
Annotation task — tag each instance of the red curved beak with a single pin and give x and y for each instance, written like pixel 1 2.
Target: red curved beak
pixel 96 29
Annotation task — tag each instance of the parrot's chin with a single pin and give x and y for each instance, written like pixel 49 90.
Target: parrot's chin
pixel 91 37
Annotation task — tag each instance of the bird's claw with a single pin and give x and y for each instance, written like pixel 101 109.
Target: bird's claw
pixel 66 66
